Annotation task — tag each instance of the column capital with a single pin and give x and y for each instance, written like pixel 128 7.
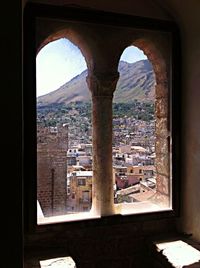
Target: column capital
pixel 102 84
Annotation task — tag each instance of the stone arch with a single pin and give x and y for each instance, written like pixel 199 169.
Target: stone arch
pixel 156 50
pixel 73 36
pixel 51 154
pixel 102 83
pixel 156 53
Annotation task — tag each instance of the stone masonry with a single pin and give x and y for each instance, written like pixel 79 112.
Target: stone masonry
pixel 51 169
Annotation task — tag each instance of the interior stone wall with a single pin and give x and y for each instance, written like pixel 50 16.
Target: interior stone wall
pixel 109 243
pixel 186 14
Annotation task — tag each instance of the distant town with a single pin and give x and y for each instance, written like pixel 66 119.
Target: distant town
pixel 133 151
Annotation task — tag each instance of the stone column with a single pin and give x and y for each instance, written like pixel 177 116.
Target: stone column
pixel 102 86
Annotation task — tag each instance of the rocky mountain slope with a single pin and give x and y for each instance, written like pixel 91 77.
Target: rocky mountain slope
pixel 137 81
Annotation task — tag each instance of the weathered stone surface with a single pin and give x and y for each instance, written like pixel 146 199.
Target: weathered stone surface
pixel 162 90
pixel 161 200
pixel 102 84
pixel 51 170
pixel 162 164
pixel 102 88
pixel 161 145
pixel 162 184
pixel 162 127
pixel 161 107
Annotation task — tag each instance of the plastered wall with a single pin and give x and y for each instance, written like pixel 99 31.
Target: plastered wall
pixel 189 20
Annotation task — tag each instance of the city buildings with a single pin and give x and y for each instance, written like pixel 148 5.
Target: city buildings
pixel 65 146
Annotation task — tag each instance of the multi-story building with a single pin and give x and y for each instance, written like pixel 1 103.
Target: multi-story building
pixel 79 184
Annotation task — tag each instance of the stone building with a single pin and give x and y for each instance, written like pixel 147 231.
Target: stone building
pixel 52 145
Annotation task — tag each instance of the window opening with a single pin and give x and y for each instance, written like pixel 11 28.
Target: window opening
pixel 134 132
pixel 64 150
pixel 135 160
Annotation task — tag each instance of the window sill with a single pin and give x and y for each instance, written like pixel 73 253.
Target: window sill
pixel 123 209
pixel 67 218
pixel 140 208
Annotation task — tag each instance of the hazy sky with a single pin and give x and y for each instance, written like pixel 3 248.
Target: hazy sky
pixel 60 61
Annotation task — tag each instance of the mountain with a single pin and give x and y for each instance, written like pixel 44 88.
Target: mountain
pixel 137 81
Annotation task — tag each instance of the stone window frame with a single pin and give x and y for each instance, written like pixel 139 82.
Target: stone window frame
pixel 97 79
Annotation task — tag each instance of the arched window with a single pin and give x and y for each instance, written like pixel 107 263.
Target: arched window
pixel 134 116
pixel 63 125
pixel 142 101
pixel 134 127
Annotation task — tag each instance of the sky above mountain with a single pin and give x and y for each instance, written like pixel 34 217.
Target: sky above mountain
pixel 60 61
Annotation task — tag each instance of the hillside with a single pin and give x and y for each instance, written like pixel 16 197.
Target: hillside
pixel 137 81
